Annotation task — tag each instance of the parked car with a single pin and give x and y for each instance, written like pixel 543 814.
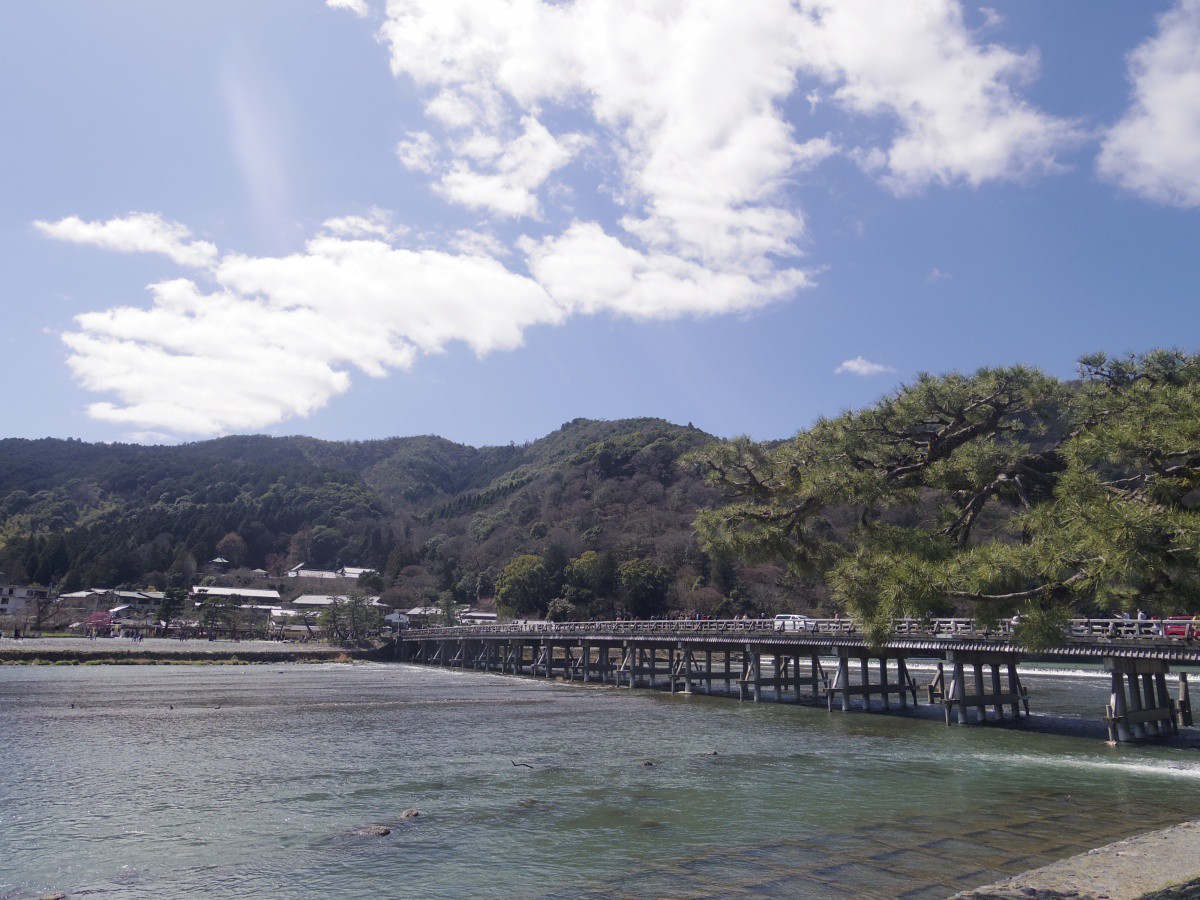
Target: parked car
pixel 793 623
pixel 1177 626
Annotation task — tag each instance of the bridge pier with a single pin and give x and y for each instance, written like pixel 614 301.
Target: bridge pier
pixel 884 688
pixel 784 674
pixel 680 663
pixel 961 694
pixel 751 673
pixel 1141 707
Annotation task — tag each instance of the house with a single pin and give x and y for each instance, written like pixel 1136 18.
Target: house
pixel 319 601
pixel 14 598
pixel 301 571
pixel 289 625
pixel 94 599
pixel 139 600
pixel 421 615
pixel 472 617
pixel 248 595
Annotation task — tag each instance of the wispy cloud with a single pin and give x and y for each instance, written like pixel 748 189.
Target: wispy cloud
pixel 864 368
pixel 358 7
pixel 377 223
pixel 256 108
pixel 134 233
pixel 936 274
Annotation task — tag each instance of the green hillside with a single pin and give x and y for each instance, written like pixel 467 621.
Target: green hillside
pixel 431 515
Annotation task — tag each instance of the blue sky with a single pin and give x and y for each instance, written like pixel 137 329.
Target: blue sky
pixel 354 219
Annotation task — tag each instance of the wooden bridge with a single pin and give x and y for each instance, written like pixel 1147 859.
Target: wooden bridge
pixel 829 661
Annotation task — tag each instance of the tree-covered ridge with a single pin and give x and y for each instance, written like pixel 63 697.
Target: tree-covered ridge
pixel 431 515
pixel 1007 490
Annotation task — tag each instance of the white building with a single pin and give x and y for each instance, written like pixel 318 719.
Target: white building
pixel 14 598
pixel 472 617
pixel 320 601
pixel 249 595
pixel 302 571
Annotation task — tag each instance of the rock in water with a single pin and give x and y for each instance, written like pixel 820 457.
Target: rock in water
pixel 374 831
pixel 409 814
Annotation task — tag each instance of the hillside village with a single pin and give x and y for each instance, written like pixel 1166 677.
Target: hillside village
pixel 212 610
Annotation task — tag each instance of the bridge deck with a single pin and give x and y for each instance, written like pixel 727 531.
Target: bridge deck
pixel 1090 640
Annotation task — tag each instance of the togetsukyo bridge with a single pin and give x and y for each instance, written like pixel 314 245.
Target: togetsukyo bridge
pixel 829 661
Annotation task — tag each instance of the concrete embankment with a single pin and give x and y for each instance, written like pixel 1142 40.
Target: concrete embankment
pixel 1155 866
pixel 162 651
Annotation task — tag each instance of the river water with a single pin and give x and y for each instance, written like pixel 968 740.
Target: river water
pixel 251 781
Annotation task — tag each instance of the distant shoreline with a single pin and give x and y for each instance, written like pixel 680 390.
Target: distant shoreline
pixel 165 651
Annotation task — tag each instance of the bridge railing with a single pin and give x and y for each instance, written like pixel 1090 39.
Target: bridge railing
pixel 1081 630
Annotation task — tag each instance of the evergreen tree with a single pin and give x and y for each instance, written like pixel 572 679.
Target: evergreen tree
pixel 1005 490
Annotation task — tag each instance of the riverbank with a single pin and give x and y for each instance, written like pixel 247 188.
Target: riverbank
pixel 165 651
pixel 1155 866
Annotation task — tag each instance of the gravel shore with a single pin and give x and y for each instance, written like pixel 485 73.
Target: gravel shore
pixel 51 649
pixel 1155 866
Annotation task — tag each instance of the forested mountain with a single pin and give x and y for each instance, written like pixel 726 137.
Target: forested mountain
pixel 431 515
pixel 1000 491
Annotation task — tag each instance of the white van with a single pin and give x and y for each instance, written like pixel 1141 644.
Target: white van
pixel 793 623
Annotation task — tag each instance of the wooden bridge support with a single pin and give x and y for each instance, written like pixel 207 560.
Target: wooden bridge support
pixel 883 688
pixel 780 673
pixel 978 685
pixel 1140 707
pixel 962 694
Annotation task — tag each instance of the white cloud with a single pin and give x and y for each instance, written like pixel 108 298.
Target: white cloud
pixel 418 152
pixel 470 242
pixel 861 367
pixel 358 7
pixel 134 233
pixel 279 336
pixel 936 274
pixel 588 271
pixel 959 115
pixel 377 223
pixel 518 169
pixel 1154 150
pixel 674 110
pixel 684 99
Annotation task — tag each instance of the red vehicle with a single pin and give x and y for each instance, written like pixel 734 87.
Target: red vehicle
pixel 1177 626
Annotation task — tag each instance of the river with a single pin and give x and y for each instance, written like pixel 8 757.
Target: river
pixel 252 781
